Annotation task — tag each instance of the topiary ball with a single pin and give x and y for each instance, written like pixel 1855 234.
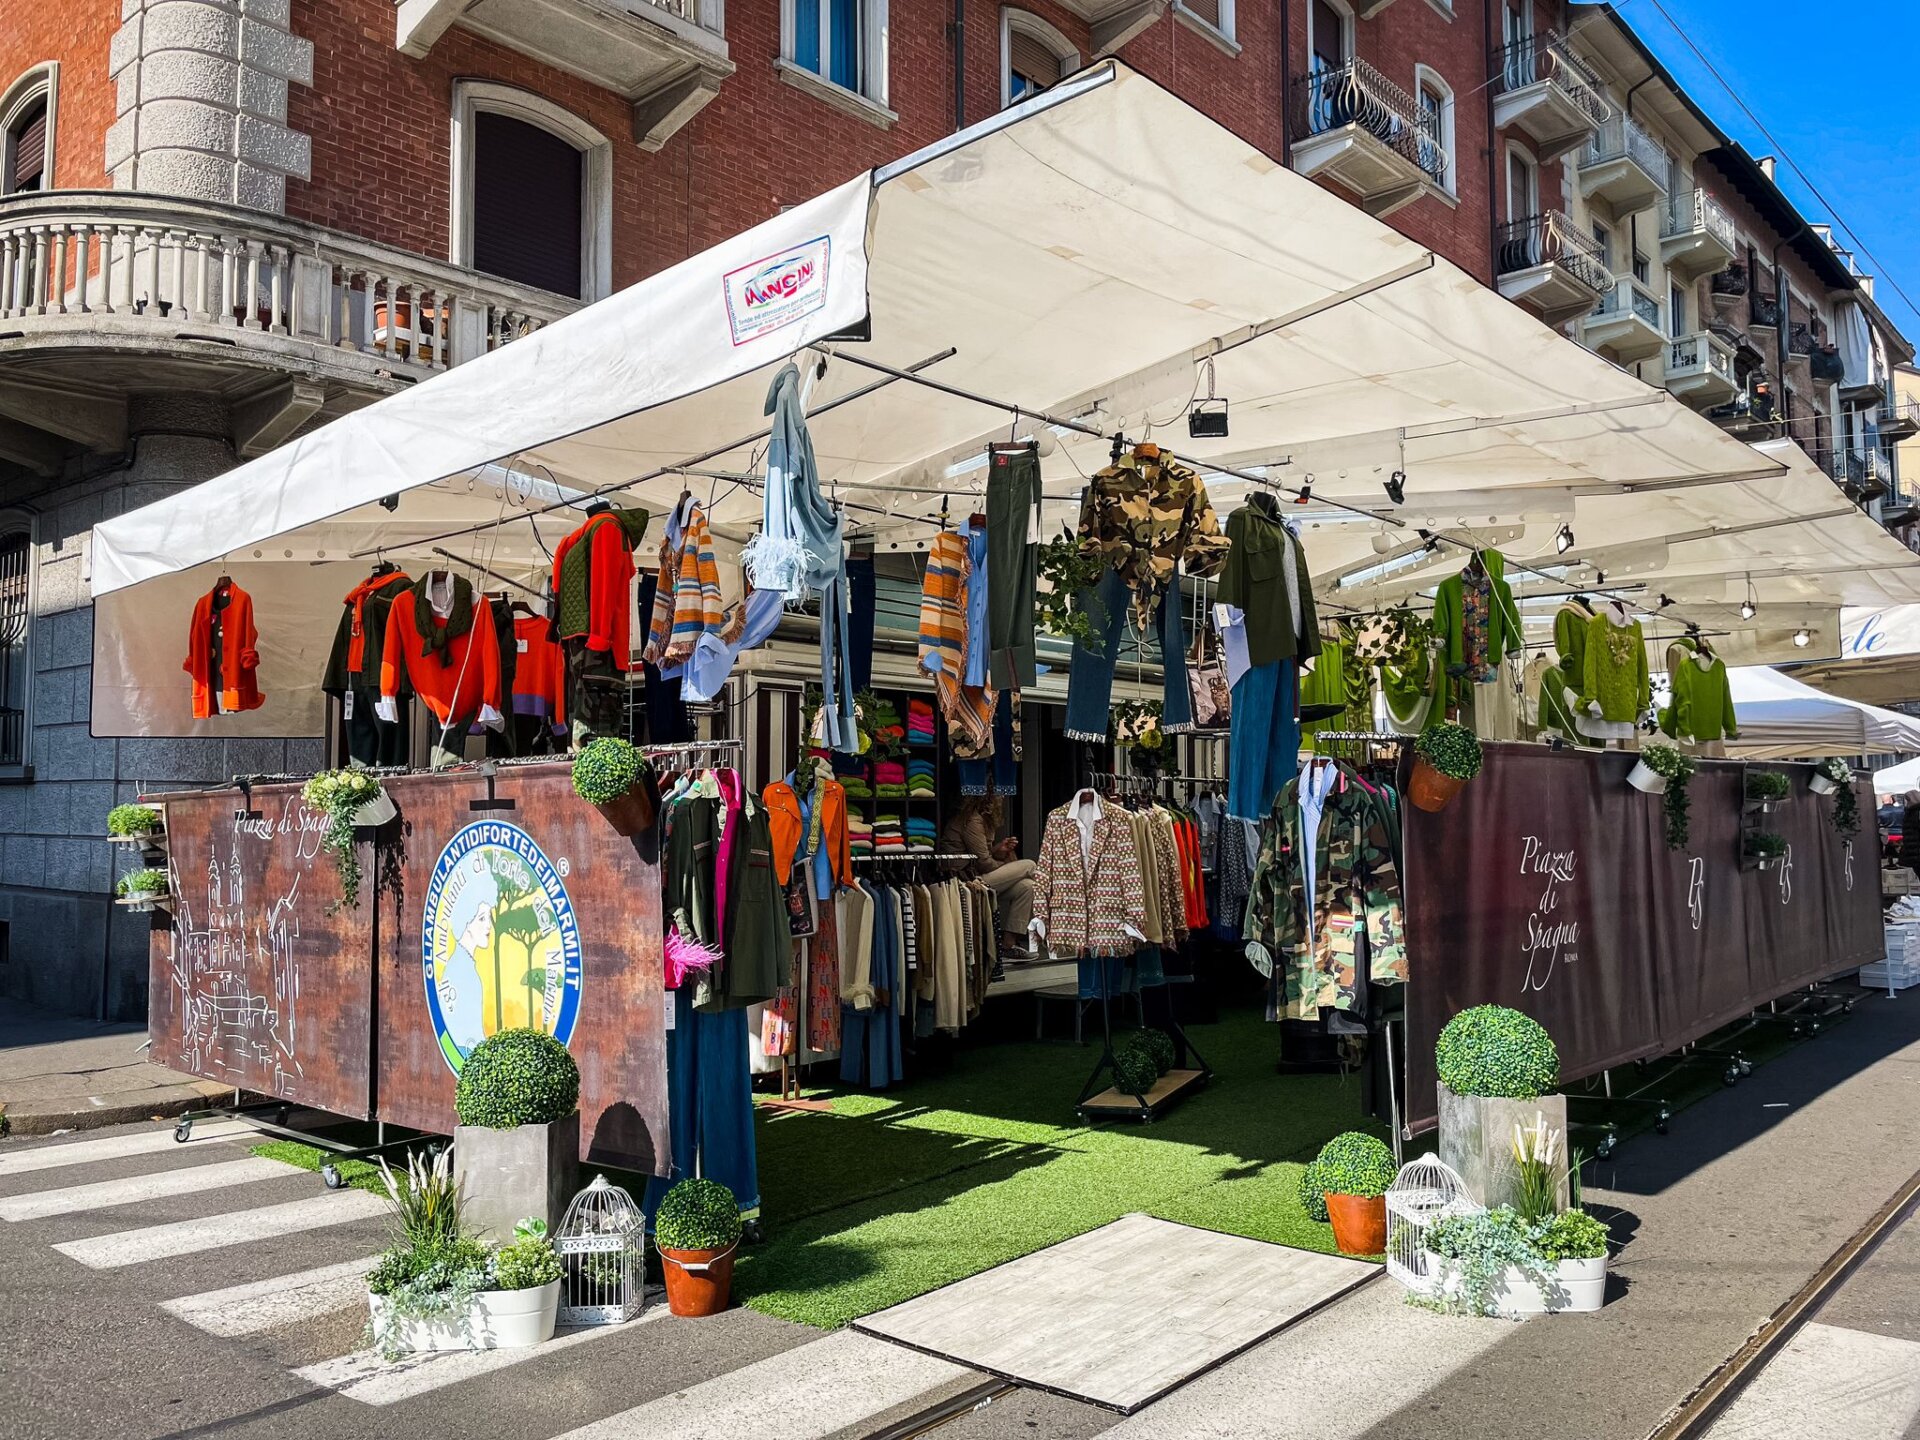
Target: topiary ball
pixel 517 1077
pixel 1491 1050
pixel 1159 1044
pixel 1356 1164
pixel 697 1215
pixel 1313 1192
pixel 1133 1068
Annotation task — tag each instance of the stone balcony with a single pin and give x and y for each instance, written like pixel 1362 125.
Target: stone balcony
pixel 104 294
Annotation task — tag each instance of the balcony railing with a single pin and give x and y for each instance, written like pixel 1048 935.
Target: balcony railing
pixel 1700 354
pixel 1552 238
pixel 1618 136
pixel 217 271
pixel 1764 309
pixel 1545 57
pixel 1357 94
pixel 1630 297
pixel 1800 339
pixel 1692 210
pixel 1730 281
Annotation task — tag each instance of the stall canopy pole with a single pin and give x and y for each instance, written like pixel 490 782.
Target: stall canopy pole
pixel 494 574
pixel 688 463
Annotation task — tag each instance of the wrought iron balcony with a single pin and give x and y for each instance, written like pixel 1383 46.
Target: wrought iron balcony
pixel 1696 234
pixel 1540 88
pixel 1899 419
pixel 1626 325
pixel 1731 281
pixel 1800 341
pixel 1548 265
pixel 1763 309
pixel 1623 167
pixel 1866 475
pixel 1700 369
pixel 1353 125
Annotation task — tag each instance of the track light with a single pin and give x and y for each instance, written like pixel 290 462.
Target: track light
pixel 1803 638
pixel 1397 487
pixel 1563 539
pixel 1599 577
pixel 1748 609
pixel 1305 497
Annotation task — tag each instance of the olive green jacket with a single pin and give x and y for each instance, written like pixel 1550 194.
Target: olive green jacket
pixel 1255 579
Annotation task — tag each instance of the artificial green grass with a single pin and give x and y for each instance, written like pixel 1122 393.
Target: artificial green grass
pixel 895 1194
pixel 358 1174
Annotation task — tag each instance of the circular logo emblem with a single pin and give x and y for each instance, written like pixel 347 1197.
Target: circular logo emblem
pixel 499 944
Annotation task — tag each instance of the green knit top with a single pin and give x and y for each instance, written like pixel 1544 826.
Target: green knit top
pixel 1703 702
pixel 1616 670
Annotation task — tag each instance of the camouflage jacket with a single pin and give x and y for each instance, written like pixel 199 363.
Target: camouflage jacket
pixel 1356 901
pixel 1147 516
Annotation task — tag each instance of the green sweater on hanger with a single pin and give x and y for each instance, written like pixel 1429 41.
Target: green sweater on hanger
pixel 1616 671
pixel 1450 623
pixel 1702 709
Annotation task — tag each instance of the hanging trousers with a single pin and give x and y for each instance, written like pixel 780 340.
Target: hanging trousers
pixel 1005 762
pixel 860 589
pixel 1013 563
pixel 596 693
pixel 1263 751
pixel 1090 676
pixel 709 1104
pixel 371 740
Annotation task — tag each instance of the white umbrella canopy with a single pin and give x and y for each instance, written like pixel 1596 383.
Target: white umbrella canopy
pixel 1080 254
pixel 1782 719
pixel 1897 779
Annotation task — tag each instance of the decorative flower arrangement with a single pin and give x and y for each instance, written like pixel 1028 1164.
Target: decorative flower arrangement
pixel 1068 572
pixel 1451 749
pixel 1535 1152
pixel 338 795
pixel 1493 1051
pixel 1677 768
pixel 133 820
pixel 1481 1249
pixel 1846 804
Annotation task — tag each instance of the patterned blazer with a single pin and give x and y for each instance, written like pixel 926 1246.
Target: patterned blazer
pixel 1086 902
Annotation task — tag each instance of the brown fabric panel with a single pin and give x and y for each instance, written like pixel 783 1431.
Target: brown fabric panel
pixel 30 153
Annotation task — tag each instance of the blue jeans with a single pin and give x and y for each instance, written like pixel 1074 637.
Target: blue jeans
pixel 1263 751
pixel 860 585
pixel 709 1104
pixel 1006 773
pixel 1090 678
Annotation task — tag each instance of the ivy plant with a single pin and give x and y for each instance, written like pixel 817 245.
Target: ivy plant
pixel 1480 1249
pixel 338 795
pixel 1068 572
pixel 1677 767
pixel 1846 804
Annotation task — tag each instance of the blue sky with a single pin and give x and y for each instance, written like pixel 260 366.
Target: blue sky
pixel 1834 81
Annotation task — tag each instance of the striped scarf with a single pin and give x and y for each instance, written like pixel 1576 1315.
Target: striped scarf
pixel 943 646
pixel 696 595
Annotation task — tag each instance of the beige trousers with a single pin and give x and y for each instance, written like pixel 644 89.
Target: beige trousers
pixel 1012 886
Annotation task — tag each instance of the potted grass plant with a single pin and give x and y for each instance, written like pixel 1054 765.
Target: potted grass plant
pixel 697 1231
pixel 1763 849
pixel 610 774
pixel 1767 788
pixel 1497 1069
pixel 134 824
pixel 1355 1170
pixel 516 1145
pixel 438 1287
pixel 1446 757
pixel 145 889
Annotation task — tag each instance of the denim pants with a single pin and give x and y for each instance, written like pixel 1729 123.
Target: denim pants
pixel 1006 770
pixel 1090 677
pixel 1263 748
pixel 860 589
pixel 709 1103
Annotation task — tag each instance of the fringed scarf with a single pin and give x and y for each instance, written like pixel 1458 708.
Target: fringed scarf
pixel 435 638
pixel 943 646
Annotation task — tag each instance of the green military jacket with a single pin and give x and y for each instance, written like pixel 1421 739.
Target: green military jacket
pixel 1148 516
pixel 1255 579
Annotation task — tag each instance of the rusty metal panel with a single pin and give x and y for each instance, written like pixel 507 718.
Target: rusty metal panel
pixel 256 982
pixel 537 914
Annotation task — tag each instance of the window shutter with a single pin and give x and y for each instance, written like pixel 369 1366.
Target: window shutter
pixel 1027 56
pixel 1207 10
pixel 29 152
pixel 528 204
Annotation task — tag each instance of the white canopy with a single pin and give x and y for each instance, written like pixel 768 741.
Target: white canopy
pixel 1079 254
pixel 1897 779
pixel 1782 719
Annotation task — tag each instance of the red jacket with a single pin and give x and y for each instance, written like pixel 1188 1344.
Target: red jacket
pixel 454 688
pixel 609 586
pixel 239 657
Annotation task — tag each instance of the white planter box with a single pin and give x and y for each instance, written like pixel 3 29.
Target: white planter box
pixel 497 1320
pixel 1644 777
pixel 1821 785
pixel 1580 1287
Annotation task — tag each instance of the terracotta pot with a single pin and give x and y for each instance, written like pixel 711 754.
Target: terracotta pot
pixel 631 814
pixel 1359 1223
pixel 1429 789
pixel 698 1281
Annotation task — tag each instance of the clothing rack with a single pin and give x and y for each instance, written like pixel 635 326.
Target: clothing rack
pixel 913 855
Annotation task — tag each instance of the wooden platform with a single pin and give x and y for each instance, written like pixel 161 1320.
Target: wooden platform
pixel 1123 1314
pixel 1167 1091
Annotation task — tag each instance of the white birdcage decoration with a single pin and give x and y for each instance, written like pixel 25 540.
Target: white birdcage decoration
pixel 602 1250
pixel 1424 1191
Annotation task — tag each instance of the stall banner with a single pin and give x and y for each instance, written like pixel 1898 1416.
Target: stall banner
pixel 259 980
pixel 1547 886
pixel 531 914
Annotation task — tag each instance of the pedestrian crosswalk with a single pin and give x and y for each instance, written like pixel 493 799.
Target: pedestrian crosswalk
pixel 269 1304
pixel 107 1194
pixel 189 1237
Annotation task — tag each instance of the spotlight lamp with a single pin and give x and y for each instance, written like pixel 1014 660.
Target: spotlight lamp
pixel 1397 487
pixel 1563 539
pixel 1305 497
pixel 1748 609
pixel 1803 637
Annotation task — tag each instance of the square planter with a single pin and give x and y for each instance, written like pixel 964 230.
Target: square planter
pixel 507 1175
pixel 1579 1287
pixel 1476 1139
pixel 496 1320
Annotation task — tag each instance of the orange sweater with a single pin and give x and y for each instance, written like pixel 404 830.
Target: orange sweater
pixel 469 677
pixel 239 659
pixel 539 673
pixel 609 586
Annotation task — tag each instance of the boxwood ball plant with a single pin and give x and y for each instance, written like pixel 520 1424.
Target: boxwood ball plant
pixel 517 1077
pixel 697 1215
pixel 1451 749
pixel 1491 1050
pixel 606 768
pixel 1355 1164
pixel 1313 1191
pixel 1134 1068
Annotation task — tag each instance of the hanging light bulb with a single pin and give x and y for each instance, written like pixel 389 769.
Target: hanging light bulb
pixel 1563 540
pixel 1747 607
pixel 1803 638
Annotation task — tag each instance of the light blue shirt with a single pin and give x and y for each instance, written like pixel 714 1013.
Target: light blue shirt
pixel 977 606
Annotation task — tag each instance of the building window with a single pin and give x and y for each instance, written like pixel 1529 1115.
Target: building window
pixel 16 559
pixel 1603 237
pixel 1436 125
pixel 1676 311
pixel 532 193
pixel 1216 15
pixel 1642 267
pixel 1329 35
pixel 1034 56
pixel 842 41
pixel 26 131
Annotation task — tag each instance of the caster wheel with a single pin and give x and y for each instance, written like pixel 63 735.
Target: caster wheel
pixel 1813 1027
pixel 1604 1150
pixel 330 1177
pixel 183 1132
pixel 1731 1077
pixel 750 1232
pixel 282 1115
pixel 1660 1127
pixel 1746 1067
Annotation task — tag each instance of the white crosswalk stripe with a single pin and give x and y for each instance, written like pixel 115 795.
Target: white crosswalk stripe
pixel 117 1147
pixel 806 1393
pixel 269 1304
pixel 214 1232
pixel 365 1377
pixel 105 1194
